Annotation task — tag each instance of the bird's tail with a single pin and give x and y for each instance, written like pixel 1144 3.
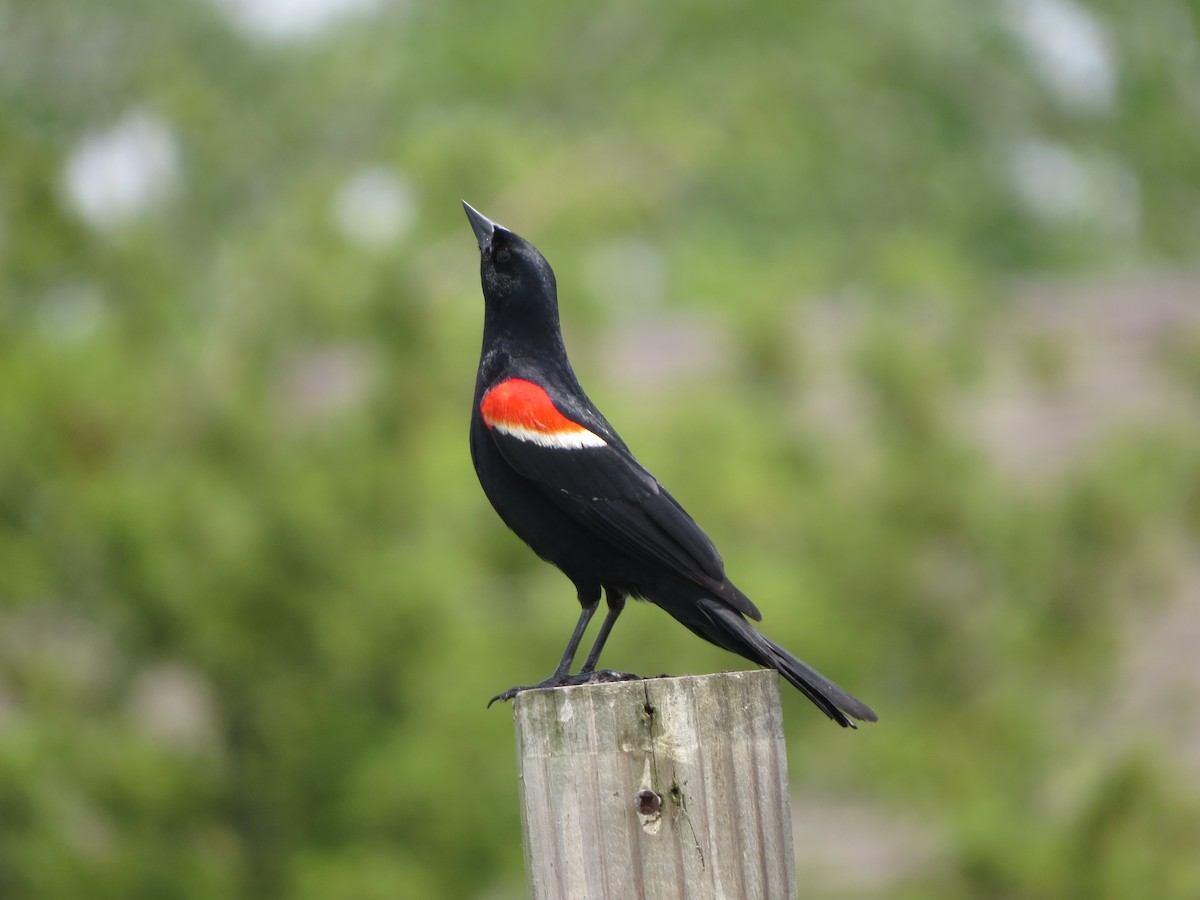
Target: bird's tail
pixel 726 628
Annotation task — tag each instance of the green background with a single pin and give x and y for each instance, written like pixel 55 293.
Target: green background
pixel 899 299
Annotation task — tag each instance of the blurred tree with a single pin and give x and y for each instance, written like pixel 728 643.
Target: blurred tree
pixel 251 599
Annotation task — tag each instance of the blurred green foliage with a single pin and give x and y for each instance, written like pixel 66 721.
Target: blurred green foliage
pixel 251 598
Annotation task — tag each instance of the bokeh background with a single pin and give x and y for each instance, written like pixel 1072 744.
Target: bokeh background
pixel 902 300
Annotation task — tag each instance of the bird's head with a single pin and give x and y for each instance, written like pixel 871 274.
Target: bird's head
pixel 513 272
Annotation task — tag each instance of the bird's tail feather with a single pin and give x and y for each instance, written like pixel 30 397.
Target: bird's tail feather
pixel 732 632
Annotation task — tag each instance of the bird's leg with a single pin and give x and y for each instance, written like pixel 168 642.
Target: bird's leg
pixel 616 603
pixel 562 675
pixel 568 657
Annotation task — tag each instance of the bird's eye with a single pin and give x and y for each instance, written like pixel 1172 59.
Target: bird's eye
pixel 503 255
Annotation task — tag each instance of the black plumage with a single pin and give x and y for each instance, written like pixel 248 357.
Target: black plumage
pixel 562 479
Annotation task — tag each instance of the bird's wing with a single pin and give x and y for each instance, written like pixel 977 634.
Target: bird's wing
pixel 591 475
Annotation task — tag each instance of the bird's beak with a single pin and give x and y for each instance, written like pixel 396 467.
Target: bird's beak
pixel 483 227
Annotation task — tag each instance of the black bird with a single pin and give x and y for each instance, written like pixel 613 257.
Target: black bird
pixel 563 480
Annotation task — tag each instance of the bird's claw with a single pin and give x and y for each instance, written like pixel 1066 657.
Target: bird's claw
pixel 512 692
pixel 596 676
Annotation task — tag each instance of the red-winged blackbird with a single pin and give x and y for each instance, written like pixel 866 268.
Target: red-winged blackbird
pixel 564 481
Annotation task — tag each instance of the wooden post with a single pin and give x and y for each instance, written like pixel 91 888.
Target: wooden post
pixel 656 789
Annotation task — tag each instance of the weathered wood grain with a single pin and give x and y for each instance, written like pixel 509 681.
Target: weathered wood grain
pixel 656 789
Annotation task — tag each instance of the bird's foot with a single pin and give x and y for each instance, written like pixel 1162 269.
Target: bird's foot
pixel 555 680
pixel 596 676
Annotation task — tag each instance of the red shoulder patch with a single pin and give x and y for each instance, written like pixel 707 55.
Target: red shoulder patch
pixel 524 410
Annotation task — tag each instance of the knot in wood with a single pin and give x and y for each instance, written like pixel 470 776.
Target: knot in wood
pixel 648 803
